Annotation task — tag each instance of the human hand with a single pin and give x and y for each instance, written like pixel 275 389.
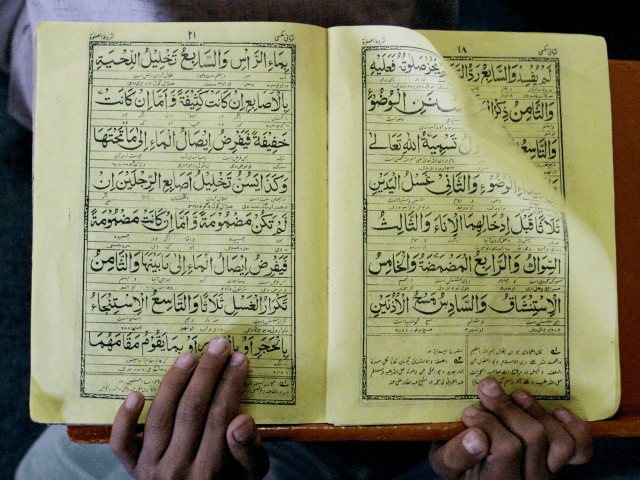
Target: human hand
pixel 193 430
pixel 515 438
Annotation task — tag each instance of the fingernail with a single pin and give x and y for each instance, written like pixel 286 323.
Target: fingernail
pixel 132 401
pixel 472 443
pixel 245 431
pixel 471 411
pixel 562 415
pixel 521 398
pixel 237 358
pixel 217 346
pixel 490 387
pixel 186 361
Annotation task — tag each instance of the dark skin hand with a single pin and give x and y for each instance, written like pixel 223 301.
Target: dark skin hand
pixel 193 430
pixel 514 438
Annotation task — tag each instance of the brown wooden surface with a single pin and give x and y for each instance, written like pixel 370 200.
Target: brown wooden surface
pixel 625 106
pixel 625 109
pixel 624 424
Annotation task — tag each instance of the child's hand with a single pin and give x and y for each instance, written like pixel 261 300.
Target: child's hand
pixel 514 438
pixel 193 429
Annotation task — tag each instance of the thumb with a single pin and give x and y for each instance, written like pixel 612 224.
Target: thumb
pixel 245 445
pixel 461 453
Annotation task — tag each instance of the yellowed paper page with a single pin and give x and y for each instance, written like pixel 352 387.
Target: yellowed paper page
pixel 464 262
pixel 180 194
pixel 569 138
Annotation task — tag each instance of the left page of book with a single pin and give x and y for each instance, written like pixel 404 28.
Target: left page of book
pixel 180 192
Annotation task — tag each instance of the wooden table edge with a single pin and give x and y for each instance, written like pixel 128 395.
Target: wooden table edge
pixel 625 423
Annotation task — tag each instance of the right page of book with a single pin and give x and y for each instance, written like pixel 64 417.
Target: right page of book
pixel 471 223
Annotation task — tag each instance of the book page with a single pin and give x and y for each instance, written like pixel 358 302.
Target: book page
pixel 453 253
pixel 179 194
pixel 570 145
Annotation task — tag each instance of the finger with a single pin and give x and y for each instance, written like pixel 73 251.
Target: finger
pixel 225 407
pixel 124 442
pixel 159 423
pixel 530 432
pixel 560 443
pixel 245 445
pixel 505 449
pixel 461 453
pixel 579 430
pixel 194 404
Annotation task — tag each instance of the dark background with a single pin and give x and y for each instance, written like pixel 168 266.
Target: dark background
pixel 614 458
pixel 618 22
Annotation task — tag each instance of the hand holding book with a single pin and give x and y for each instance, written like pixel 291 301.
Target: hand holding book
pixel 194 431
pixel 513 438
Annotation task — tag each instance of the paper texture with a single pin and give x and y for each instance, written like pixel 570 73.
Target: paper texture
pixel 178 176
pixel 454 230
pixel 464 262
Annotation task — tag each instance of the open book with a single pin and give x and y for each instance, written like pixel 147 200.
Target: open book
pixel 379 218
